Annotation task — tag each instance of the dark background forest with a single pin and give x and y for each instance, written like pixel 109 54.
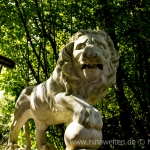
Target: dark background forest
pixel 32 32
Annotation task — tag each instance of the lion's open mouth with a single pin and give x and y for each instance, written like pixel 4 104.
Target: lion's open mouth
pixel 92 66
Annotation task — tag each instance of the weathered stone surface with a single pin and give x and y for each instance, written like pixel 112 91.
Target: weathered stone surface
pixel 86 68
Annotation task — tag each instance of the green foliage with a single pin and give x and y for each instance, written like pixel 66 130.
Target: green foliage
pixel 6 113
pixel 33 32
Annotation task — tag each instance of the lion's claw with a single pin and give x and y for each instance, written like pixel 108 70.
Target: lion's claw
pixel 89 116
pixel 79 114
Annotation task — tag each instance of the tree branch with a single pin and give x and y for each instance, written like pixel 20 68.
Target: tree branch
pixel 29 37
pixel 53 43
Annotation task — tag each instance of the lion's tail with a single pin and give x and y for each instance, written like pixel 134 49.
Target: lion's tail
pixel 27 135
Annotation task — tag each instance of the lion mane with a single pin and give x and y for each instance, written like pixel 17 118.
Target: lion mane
pixel 71 81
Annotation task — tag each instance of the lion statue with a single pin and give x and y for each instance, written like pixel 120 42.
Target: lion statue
pixel 86 68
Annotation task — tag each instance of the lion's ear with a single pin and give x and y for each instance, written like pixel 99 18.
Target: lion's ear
pixel 67 51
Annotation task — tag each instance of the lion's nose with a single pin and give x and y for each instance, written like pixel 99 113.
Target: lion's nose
pixel 90 53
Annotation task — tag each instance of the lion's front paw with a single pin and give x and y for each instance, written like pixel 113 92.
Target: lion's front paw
pixel 12 146
pixel 89 116
pixel 79 113
pixel 93 119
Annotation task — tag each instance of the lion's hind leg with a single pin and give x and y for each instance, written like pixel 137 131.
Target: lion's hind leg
pixel 40 134
pixel 21 115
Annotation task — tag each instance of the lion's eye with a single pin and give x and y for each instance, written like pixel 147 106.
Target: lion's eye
pixel 80 46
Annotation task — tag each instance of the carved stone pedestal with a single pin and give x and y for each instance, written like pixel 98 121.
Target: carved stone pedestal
pixel 78 137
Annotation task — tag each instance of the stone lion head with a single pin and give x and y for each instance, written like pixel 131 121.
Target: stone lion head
pixel 87 65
